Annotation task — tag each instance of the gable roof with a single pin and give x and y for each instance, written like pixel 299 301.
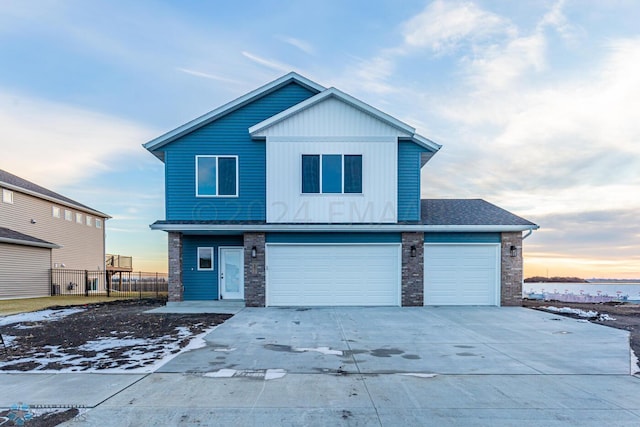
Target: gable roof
pixel 468 212
pixel 404 129
pixel 10 236
pixel 14 182
pixel 227 108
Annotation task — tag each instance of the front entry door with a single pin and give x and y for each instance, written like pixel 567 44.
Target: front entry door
pixel 231 273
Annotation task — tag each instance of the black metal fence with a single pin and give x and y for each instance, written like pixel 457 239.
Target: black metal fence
pixel 88 283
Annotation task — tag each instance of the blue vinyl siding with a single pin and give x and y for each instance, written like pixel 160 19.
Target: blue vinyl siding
pixel 462 237
pixel 333 238
pixel 202 284
pixel 226 136
pixel 409 181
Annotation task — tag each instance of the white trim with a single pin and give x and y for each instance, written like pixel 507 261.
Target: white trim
pixel 68 217
pixel 497 266
pixel 198 258
pixel 256 129
pixel 55 209
pixel 170 136
pixel 217 157
pixel 368 228
pixel 78 218
pixel 241 249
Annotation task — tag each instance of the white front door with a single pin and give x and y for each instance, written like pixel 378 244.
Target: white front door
pixel 231 273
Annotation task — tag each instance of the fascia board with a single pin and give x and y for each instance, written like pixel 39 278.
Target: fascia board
pixel 368 228
pixel 162 140
pixel 29 243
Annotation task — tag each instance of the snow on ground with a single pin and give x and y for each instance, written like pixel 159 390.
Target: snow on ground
pixel 38 316
pixel 139 355
pixel 587 314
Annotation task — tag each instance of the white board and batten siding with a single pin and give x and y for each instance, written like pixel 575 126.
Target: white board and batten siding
pixel 329 275
pixel 462 274
pixel 24 271
pixel 332 127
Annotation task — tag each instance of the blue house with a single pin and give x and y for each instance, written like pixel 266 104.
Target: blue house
pixel 299 195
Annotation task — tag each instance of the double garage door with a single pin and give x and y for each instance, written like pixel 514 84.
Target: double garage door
pixel 369 275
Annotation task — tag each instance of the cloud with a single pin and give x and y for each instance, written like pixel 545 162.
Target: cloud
pixel 297 43
pixel 269 63
pixel 55 144
pixel 208 76
pixel 443 26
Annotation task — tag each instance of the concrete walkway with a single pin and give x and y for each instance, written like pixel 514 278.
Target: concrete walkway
pixel 369 366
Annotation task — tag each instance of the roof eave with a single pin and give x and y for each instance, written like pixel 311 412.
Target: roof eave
pixel 369 228
pixel 170 136
pixel 22 242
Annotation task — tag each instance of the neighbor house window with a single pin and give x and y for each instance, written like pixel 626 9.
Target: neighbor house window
pixel 205 258
pixel 331 173
pixel 7 196
pixel 55 211
pixel 98 223
pixel 216 176
pixel 68 215
pixel 88 220
pixel 79 218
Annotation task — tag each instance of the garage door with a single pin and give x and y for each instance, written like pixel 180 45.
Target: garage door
pixel 461 274
pixel 321 275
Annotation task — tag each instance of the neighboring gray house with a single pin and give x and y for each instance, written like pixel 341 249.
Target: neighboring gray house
pixel 40 230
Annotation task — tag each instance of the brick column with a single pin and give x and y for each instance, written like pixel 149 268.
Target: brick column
pixel 176 289
pixel 254 271
pixel 412 270
pixel 511 270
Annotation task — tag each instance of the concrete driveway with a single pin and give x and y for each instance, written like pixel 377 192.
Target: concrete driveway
pixel 388 366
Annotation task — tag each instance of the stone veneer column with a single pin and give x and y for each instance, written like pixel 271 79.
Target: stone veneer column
pixel 176 290
pixel 412 270
pixel 511 270
pixel 254 271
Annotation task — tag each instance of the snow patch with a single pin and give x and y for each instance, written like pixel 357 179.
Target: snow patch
pixel 222 373
pixel 635 363
pixel 322 350
pixel 226 350
pixel 107 343
pixel 412 374
pixel 274 374
pixel 586 314
pixel 38 316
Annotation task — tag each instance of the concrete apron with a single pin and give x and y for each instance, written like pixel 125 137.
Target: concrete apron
pixel 384 366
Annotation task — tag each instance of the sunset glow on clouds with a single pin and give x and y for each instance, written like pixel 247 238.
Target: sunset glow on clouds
pixel 535 102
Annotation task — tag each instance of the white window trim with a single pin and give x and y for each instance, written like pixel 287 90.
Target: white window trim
pixel 98 223
pixel 341 193
pixel 87 220
pixel 7 196
pixel 55 211
pixel 78 218
pixel 68 217
pixel 217 156
pixel 212 258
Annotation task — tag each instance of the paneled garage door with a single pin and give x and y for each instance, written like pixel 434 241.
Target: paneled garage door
pixel 461 274
pixel 321 275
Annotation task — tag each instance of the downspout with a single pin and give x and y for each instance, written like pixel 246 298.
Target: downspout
pixel 528 233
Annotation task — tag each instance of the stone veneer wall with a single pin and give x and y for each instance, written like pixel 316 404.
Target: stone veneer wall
pixel 412 270
pixel 176 288
pixel 511 270
pixel 254 271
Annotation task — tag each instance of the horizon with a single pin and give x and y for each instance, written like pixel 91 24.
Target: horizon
pixel 536 102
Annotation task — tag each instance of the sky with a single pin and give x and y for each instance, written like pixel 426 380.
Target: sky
pixel 536 103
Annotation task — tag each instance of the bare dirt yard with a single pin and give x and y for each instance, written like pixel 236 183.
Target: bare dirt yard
pixel 101 337
pixel 616 315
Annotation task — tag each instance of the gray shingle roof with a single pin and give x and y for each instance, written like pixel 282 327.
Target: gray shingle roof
pixel 467 212
pixel 8 235
pixel 16 181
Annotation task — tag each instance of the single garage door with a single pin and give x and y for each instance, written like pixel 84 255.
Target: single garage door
pixel 461 274
pixel 321 275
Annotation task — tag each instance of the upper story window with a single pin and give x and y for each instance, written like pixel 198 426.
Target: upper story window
pixel 7 196
pixel 98 223
pixel 68 215
pixel 216 176
pixel 78 218
pixel 55 211
pixel 331 173
pixel 88 220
